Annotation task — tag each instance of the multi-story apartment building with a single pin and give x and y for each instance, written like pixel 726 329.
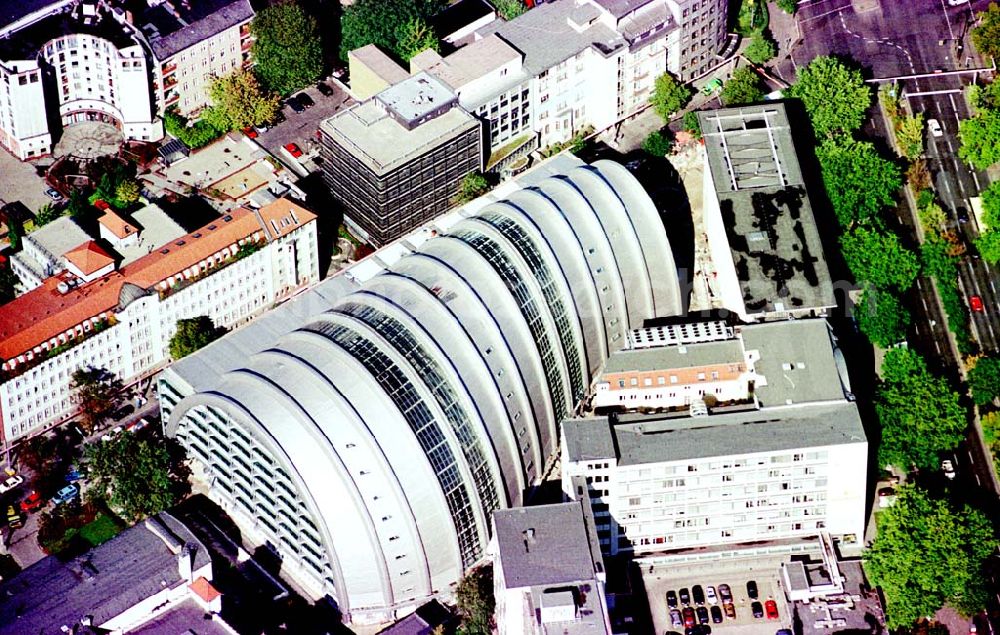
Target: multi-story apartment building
pixel 24 128
pixel 191 43
pixel 98 79
pixel 548 572
pixel 230 270
pixel 794 463
pixel 397 159
pixel 81 60
pixel 658 484
pixel 368 429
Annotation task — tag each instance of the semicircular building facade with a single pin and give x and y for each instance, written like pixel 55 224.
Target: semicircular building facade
pixel 369 443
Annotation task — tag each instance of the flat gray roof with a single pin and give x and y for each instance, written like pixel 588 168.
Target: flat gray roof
pixel 765 209
pixel 168 34
pixel 546 38
pixel 416 97
pixel 156 229
pixel 187 618
pixel 545 545
pixel 371 135
pixel 683 356
pixel 104 582
pixel 797 361
pixel 59 236
pixel 641 439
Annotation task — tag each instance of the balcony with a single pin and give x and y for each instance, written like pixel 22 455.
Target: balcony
pixel 246 44
pixel 166 69
pixel 171 98
pixel 169 81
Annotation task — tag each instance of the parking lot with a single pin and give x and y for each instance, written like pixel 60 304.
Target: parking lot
pixel 300 127
pixel 659 580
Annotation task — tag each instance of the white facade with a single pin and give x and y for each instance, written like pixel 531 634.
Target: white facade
pixel 96 81
pixel 723 496
pixel 24 130
pixel 135 339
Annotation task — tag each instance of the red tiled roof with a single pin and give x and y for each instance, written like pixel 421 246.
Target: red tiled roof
pixel 116 224
pixel 89 257
pixel 44 313
pixel 204 589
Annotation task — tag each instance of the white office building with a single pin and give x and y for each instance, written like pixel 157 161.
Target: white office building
pixel 791 464
pixel 24 130
pixel 122 320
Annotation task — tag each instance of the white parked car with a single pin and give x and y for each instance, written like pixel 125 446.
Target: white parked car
pixel 10 484
pixel 935 127
pixel 948 468
pixel 711 596
pixel 957 3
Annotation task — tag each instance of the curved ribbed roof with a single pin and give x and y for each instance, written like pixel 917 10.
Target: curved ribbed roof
pixel 418 404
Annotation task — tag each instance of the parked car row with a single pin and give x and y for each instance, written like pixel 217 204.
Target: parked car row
pixel 702 605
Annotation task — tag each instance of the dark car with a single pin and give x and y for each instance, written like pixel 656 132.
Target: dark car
pixel 685 596
pixel 716 615
pixel 324 89
pixel 725 593
pixel 702 613
pixel 293 103
pixel 757 609
pixel 698 594
pixel 672 599
pixel 688 617
pixel 305 100
pixel 752 589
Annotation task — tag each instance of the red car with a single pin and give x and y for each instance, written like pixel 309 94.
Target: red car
pixel 293 149
pixel 31 502
pixel 771 608
pixel 250 132
pixel 689 620
pixel 976 303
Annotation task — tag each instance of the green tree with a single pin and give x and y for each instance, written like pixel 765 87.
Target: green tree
pixel 238 101
pixel 8 284
pixel 835 96
pixel 416 36
pixel 193 135
pixel 657 144
pixel 46 214
pixel 984 380
pixel 986 36
pixel 510 9
pixel 927 554
pixel 96 392
pixel 744 87
pixel 473 185
pixel 79 207
pixel 128 192
pixel 193 334
pixel 879 258
pixel 910 135
pixel 14 235
pixel 762 48
pixel 669 96
pixel 858 182
pixel 381 22
pixel 980 137
pixel 881 317
pixel 475 601
pixel 991 205
pixel 288 49
pixel 988 246
pixel 788 6
pixel 134 475
pixel 691 124
pixel 919 413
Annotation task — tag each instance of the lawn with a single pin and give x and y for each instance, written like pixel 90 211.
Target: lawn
pixel 101 529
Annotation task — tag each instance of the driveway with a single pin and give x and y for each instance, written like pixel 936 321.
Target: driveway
pixel 300 128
